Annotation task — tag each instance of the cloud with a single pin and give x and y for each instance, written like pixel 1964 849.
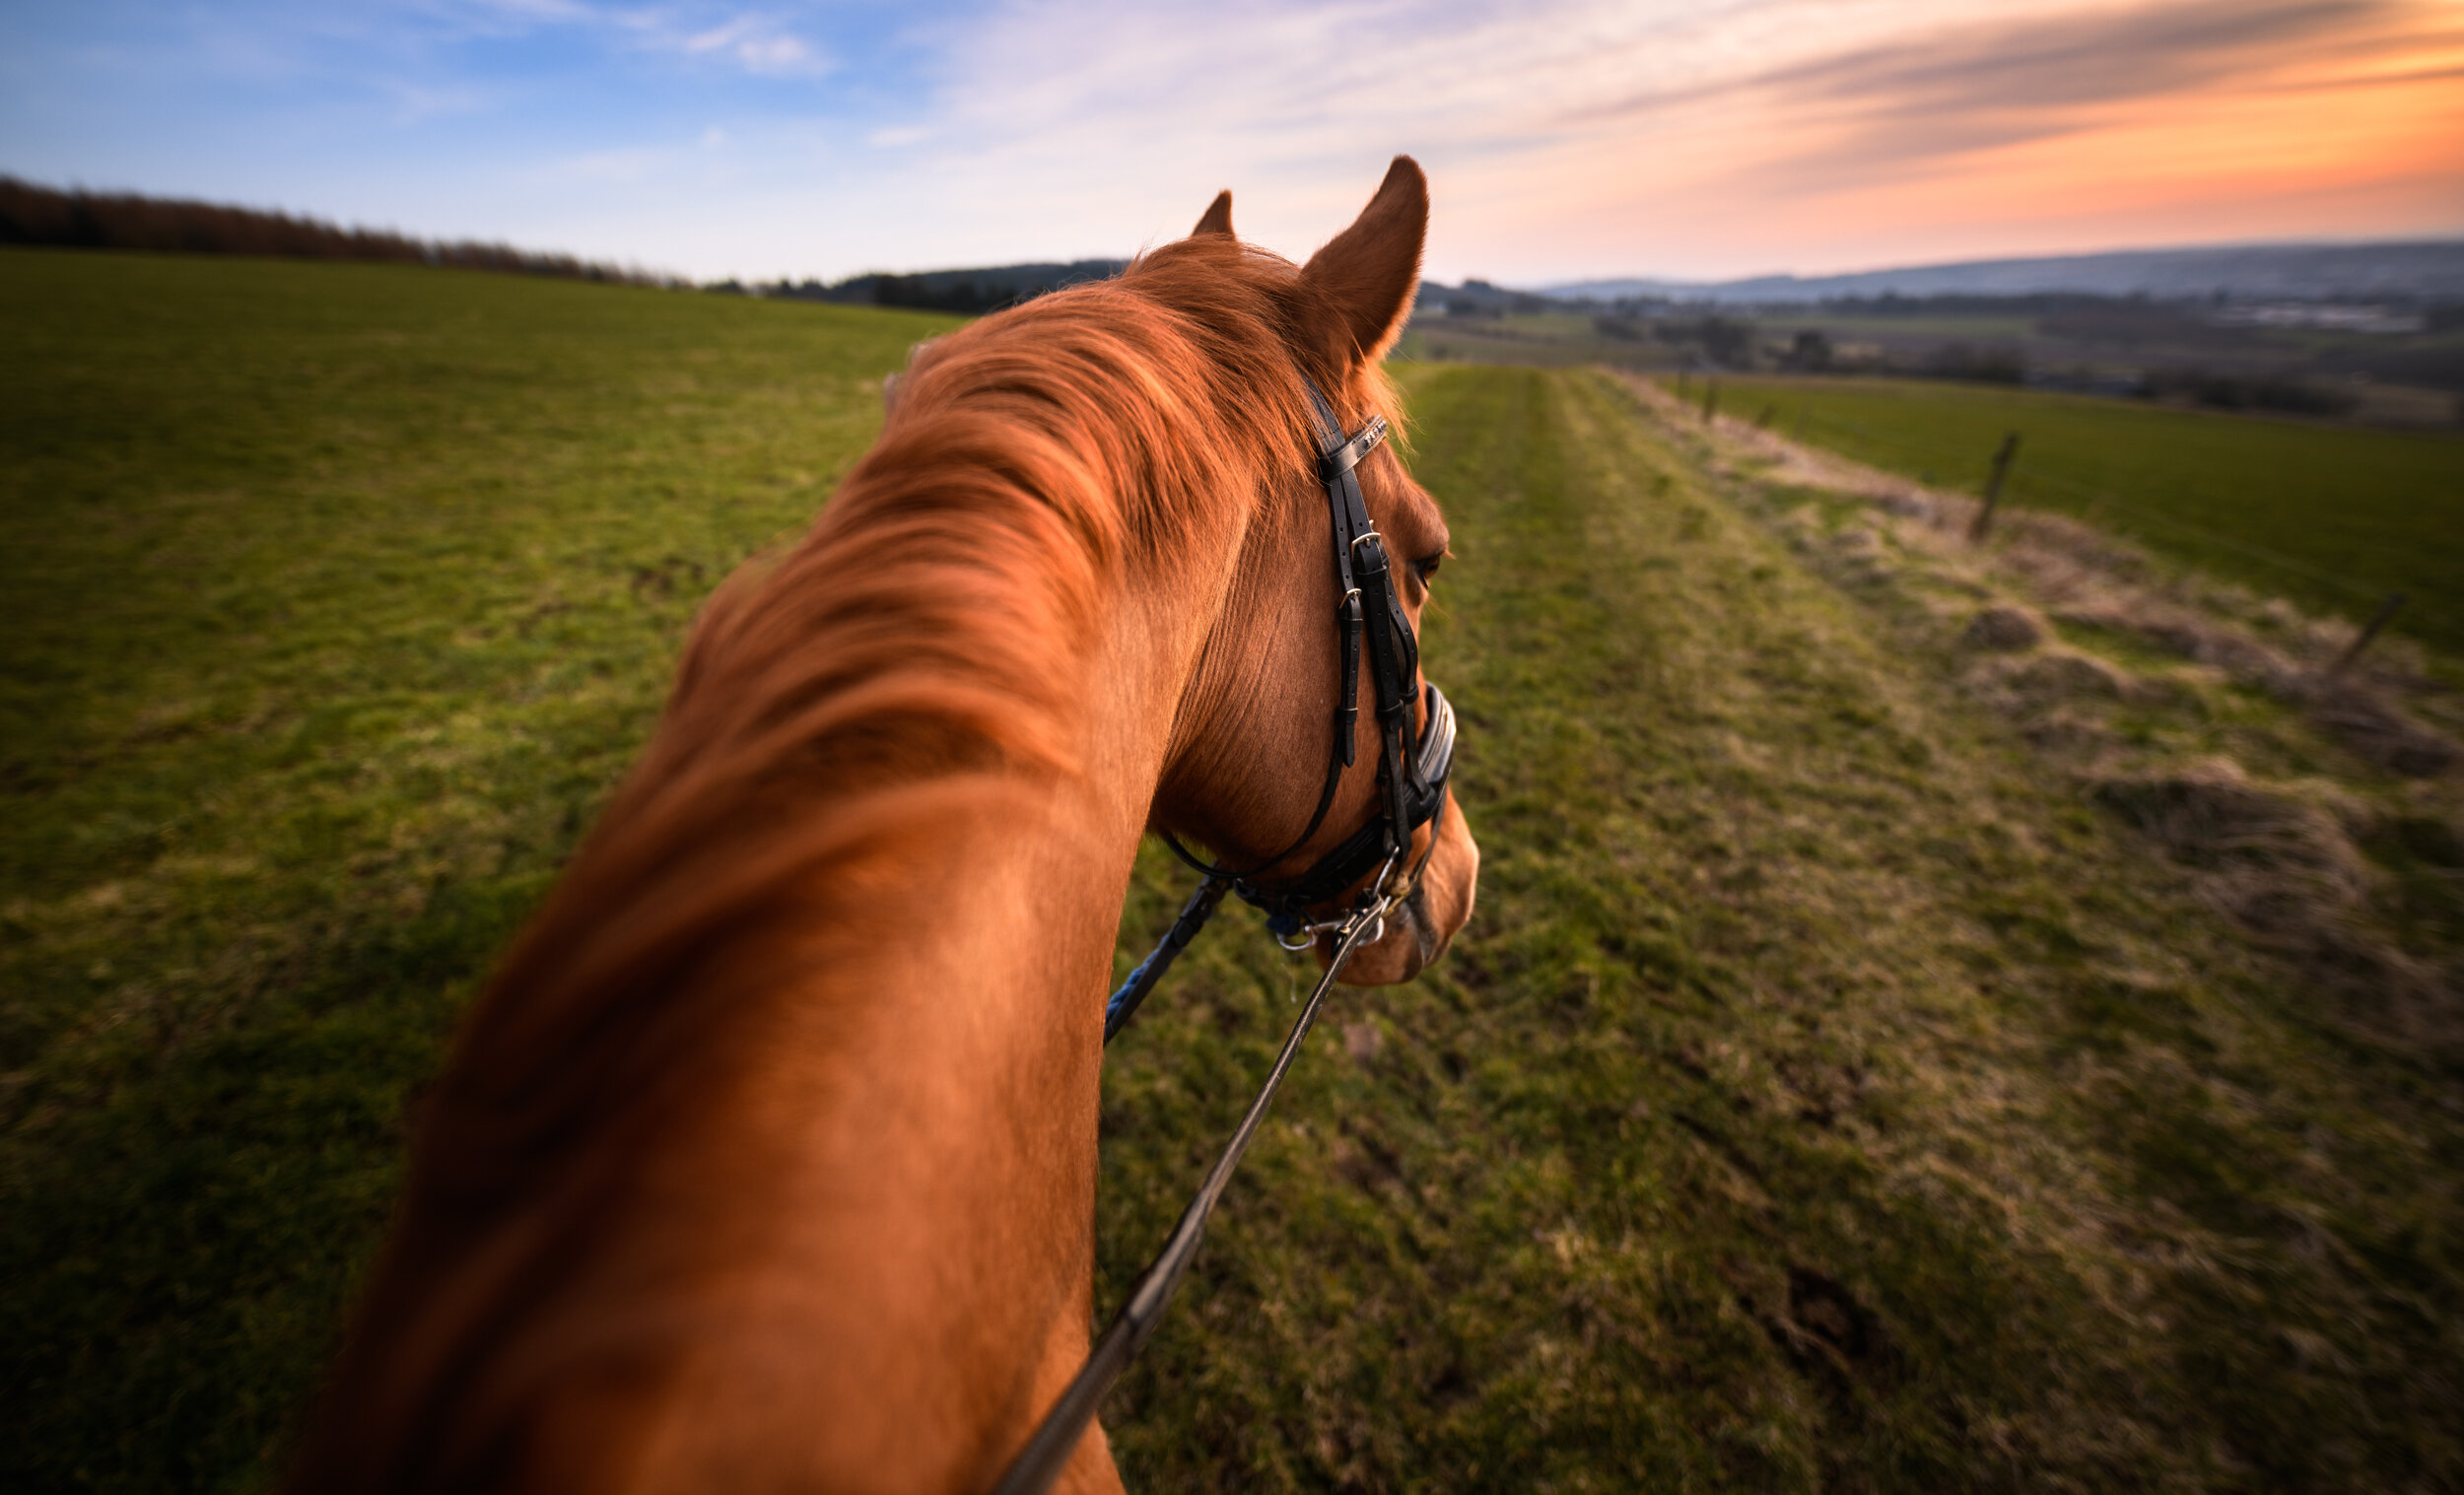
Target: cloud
pixel 626 164
pixel 449 21
pixel 1069 126
pixel 1705 137
pixel 1971 88
pixel 759 43
pixel 1573 126
pixel 2055 61
pixel 1564 137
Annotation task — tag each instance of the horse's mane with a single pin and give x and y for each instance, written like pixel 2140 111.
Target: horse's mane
pixel 924 635
pixel 904 675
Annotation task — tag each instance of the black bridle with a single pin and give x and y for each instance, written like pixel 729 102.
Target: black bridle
pixel 1412 782
pixel 1416 758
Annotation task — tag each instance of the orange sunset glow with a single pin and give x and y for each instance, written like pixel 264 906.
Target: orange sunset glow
pixel 2331 122
pixel 1565 139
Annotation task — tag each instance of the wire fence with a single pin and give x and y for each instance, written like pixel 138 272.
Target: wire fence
pixel 2089 501
pixel 2025 480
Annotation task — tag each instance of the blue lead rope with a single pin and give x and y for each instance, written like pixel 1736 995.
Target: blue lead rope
pixel 1193 915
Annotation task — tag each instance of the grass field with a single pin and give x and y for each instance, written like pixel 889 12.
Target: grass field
pixel 338 598
pixel 2334 518
pixel 1825 1096
pixel 1544 339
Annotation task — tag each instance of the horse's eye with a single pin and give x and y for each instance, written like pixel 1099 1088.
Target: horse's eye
pixel 1426 567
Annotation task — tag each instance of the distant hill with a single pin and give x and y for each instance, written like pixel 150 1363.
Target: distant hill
pixel 2426 270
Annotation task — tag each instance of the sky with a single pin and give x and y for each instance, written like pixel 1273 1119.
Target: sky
pixel 1564 139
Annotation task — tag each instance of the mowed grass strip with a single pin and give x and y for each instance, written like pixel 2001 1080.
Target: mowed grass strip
pixel 339 597
pixel 1819 1098
pixel 2335 518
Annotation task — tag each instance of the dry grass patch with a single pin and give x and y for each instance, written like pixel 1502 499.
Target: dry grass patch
pixel 2230 730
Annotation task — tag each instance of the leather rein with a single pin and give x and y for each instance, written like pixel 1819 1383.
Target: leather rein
pixel 1414 761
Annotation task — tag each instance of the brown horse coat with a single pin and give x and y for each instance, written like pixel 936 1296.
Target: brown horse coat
pixel 767 1160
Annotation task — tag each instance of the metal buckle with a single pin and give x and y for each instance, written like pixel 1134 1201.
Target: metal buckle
pixel 1374 906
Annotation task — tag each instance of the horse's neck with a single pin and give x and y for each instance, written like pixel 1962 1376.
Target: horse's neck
pixel 925 1079
pixel 929 1088
pixel 841 1154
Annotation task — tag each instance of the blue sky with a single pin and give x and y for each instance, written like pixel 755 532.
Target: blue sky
pixel 1565 138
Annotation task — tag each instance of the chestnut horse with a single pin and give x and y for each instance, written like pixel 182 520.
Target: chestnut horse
pixel 766 1161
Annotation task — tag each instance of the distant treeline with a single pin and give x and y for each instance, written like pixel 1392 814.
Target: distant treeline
pixel 2032 303
pixel 1479 297
pixel 1736 343
pixel 967 291
pixel 2139 309
pixel 40 215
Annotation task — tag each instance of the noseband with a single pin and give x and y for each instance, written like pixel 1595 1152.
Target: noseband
pixel 1414 761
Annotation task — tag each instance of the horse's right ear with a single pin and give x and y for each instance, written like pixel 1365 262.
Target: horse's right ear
pixel 1366 274
pixel 1218 217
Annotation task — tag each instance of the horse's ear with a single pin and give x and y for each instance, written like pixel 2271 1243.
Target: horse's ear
pixel 1366 274
pixel 1218 217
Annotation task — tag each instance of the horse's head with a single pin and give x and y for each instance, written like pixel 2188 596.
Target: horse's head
pixel 1257 728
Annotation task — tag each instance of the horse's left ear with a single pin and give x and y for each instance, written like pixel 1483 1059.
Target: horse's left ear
pixel 1366 274
pixel 1218 217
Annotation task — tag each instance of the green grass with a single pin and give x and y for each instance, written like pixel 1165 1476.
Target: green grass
pixel 1822 1097
pixel 339 596
pixel 1544 339
pixel 2335 518
pixel 1986 327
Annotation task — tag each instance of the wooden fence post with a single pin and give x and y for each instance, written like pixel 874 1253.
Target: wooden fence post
pixel 1993 486
pixel 2386 614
